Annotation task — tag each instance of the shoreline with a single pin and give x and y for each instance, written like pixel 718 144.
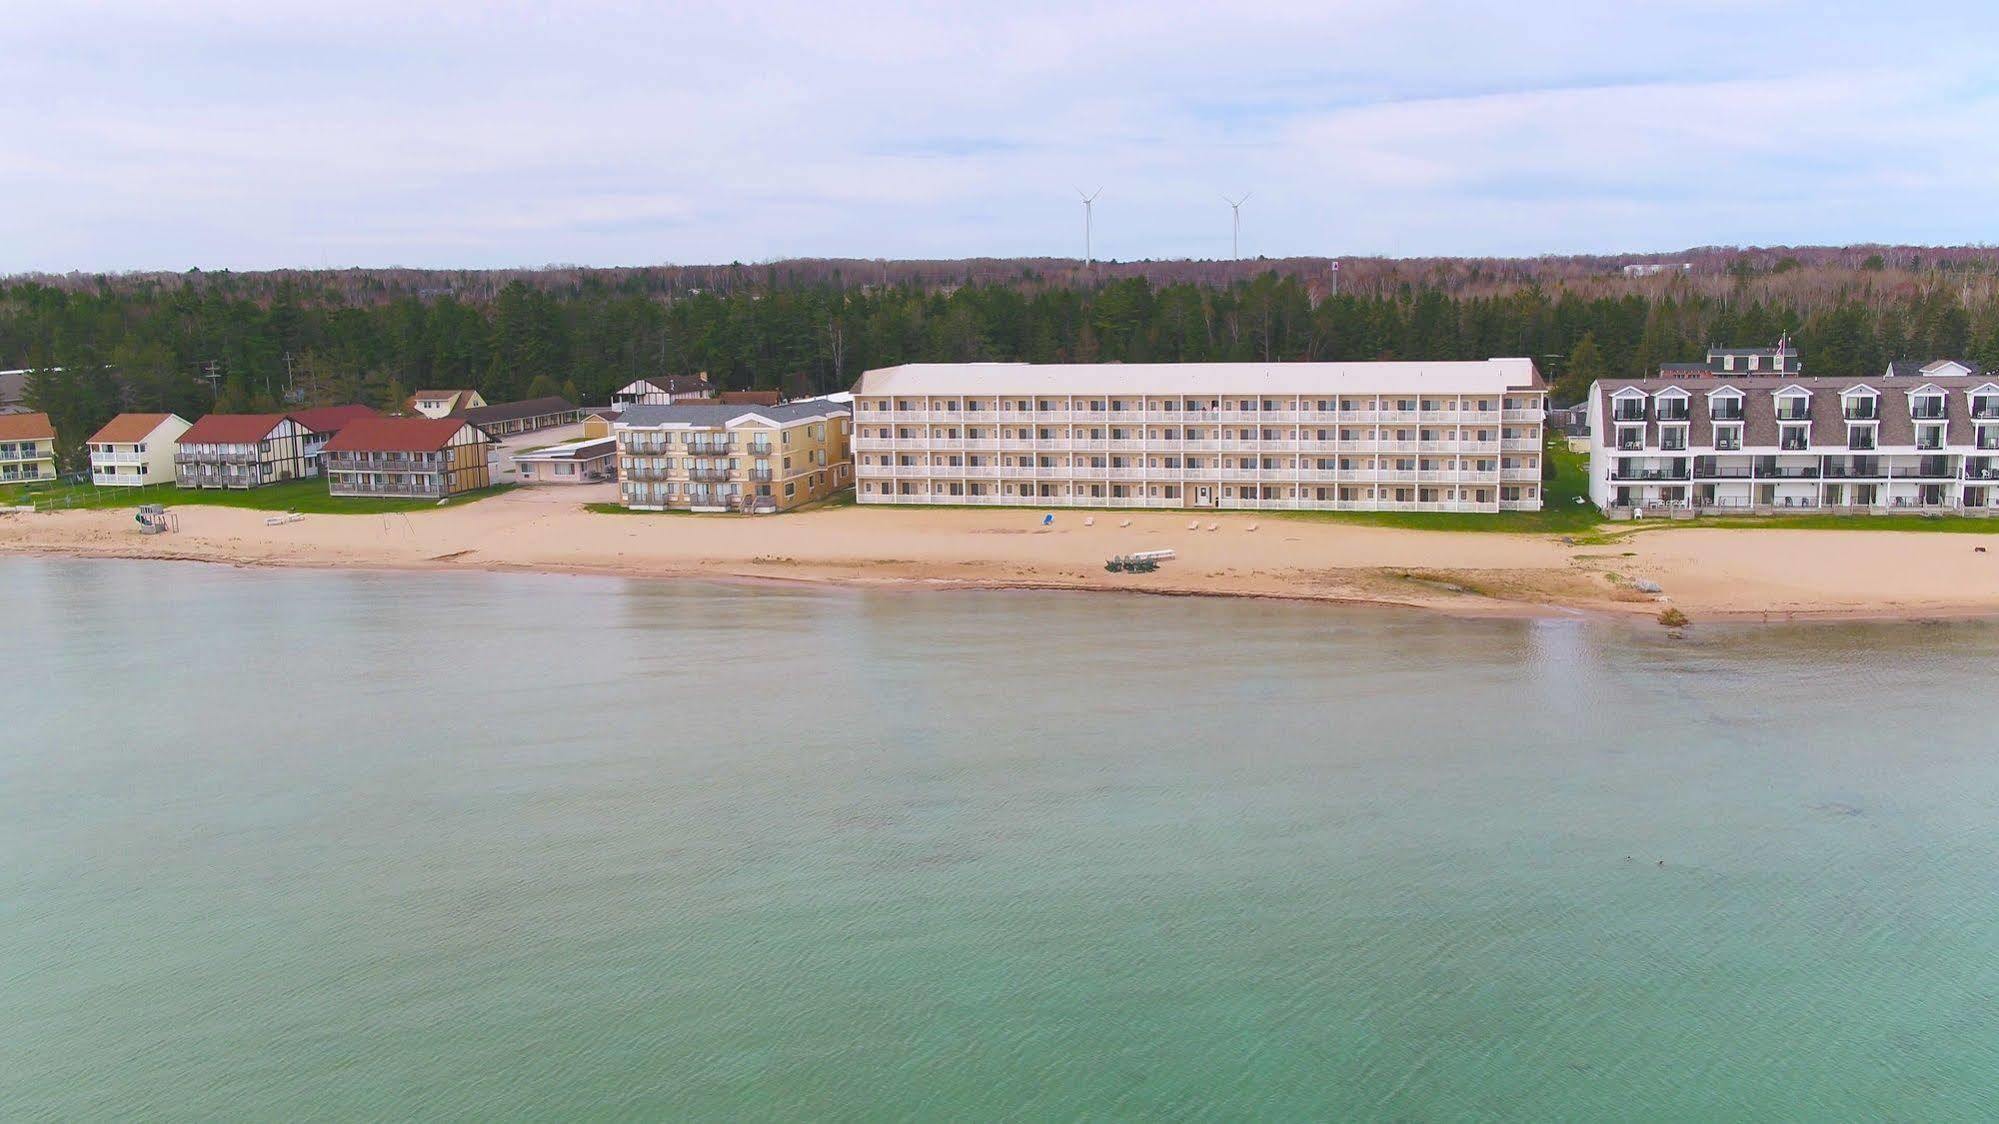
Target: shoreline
pixel 1723 576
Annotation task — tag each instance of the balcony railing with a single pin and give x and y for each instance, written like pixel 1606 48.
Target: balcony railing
pixel 709 474
pixel 382 488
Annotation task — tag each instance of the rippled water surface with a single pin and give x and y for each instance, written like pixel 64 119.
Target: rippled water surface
pixel 277 845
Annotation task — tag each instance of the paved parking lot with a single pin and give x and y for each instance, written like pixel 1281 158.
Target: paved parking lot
pixel 503 454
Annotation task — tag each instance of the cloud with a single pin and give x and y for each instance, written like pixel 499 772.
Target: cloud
pixel 458 134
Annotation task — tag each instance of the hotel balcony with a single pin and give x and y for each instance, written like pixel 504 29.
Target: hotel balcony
pixel 709 474
pixel 431 487
pixel 113 458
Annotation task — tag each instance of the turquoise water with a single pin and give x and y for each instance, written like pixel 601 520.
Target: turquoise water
pixel 283 845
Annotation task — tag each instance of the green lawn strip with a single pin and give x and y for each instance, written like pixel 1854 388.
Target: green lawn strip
pixel 308 497
pixel 1940 524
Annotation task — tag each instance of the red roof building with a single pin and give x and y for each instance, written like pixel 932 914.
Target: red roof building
pixel 331 419
pixel 407 457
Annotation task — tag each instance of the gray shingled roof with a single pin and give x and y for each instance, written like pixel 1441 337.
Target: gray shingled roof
pixel 720 414
pixel 517 411
pixel 1827 422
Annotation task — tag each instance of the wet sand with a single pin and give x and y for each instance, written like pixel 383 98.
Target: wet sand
pixel 1706 573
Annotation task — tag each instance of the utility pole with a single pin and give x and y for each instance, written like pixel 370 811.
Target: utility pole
pixel 212 370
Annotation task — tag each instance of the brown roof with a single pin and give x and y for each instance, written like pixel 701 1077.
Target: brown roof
pixel 126 429
pixel 331 419
pixel 26 427
pixel 750 398
pixel 232 429
pixel 397 435
pixel 439 393
pixel 514 411
pixel 1761 427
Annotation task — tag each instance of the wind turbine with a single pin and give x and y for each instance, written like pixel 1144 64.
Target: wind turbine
pixel 1089 207
pixel 1235 225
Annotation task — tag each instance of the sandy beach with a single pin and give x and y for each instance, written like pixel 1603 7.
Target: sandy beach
pixel 1707 574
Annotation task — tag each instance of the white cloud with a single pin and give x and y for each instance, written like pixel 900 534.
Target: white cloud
pixel 457 134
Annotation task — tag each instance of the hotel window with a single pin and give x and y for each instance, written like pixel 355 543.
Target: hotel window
pixel 1795 438
pixel 1859 436
pixel 1727 438
pixel 1929 437
pixel 1926 406
pixel 1673 438
pixel 1792 407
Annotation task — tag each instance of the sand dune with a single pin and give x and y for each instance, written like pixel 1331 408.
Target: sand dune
pixel 1706 573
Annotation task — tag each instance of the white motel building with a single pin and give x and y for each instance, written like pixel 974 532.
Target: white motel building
pixel 1460 436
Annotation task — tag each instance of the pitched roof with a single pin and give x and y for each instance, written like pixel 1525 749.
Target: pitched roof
pixel 442 393
pixel 750 397
pixel 126 429
pixel 26 427
pixel 1474 376
pixel 330 419
pixel 231 429
pixel 711 414
pixel 397 435
pixel 514 411
pixel 666 384
pixel 591 449
pixel 13 386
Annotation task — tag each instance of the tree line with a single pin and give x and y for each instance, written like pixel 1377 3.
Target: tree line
pixel 200 348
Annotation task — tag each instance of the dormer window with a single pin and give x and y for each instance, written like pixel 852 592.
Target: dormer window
pixel 1860 404
pixel 1793 406
pixel 1725 405
pixel 1927 404
pixel 1985 403
pixel 1860 437
pixel 1672 405
pixel 1628 405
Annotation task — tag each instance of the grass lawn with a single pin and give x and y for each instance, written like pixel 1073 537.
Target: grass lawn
pixel 1949 524
pixel 306 496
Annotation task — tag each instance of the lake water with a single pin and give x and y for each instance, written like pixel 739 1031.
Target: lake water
pixel 281 845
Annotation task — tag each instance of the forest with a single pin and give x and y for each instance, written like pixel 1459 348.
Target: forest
pixel 202 342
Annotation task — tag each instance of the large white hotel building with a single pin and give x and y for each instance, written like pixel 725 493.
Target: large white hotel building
pixel 1444 436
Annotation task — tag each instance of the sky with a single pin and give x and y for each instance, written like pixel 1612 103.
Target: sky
pixel 450 134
